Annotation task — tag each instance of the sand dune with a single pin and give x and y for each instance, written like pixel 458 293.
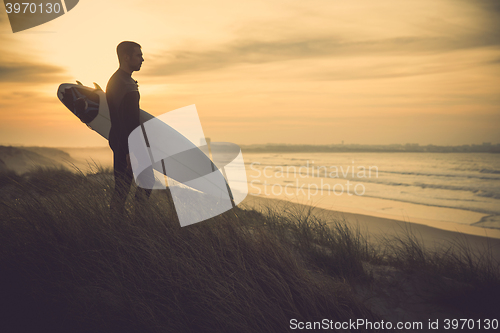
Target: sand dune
pixel 21 160
pixel 51 153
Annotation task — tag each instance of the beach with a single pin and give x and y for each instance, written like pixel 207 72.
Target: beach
pixel 448 191
pixel 377 228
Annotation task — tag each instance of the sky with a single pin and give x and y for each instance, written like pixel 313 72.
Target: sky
pixel 268 71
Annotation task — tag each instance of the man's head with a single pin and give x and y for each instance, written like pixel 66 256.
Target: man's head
pixel 129 56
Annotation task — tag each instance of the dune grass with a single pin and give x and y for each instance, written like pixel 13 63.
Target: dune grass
pixel 68 265
pixel 455 274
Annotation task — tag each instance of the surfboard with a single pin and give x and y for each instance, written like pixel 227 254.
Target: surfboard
pixel 166 150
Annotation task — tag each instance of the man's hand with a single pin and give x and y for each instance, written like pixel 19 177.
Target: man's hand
pixel 129 165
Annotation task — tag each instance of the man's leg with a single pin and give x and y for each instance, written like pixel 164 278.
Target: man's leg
pixel 146 179
pixel 123 180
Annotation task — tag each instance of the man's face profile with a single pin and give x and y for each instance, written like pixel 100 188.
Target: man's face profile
pixel 135 59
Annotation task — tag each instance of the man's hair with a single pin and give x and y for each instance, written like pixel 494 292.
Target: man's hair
pixel 126 48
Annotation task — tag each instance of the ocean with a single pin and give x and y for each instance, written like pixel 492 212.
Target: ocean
pixel 461 188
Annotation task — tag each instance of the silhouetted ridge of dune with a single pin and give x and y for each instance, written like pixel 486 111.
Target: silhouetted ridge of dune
pixel 22 160
pixel 52 153
pixel 3 166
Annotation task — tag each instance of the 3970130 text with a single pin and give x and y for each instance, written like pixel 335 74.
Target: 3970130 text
pixel 32 8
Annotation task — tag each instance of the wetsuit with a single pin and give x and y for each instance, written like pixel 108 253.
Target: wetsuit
pixel 122 94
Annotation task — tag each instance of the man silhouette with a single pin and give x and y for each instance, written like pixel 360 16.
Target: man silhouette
pixel 122 94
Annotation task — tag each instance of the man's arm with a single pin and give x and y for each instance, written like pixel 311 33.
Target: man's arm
pixel 131 116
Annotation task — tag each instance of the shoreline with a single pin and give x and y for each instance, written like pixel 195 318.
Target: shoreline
pixel 445 218
pixel 379 227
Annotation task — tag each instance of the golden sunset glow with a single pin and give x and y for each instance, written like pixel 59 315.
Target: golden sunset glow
pixel 316 72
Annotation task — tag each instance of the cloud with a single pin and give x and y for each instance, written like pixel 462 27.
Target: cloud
pixel 20 62
pixel 495 61
pixel 430 28
pixel 489 6
pixel 28 72
pixel 416 66
pixel 259 52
